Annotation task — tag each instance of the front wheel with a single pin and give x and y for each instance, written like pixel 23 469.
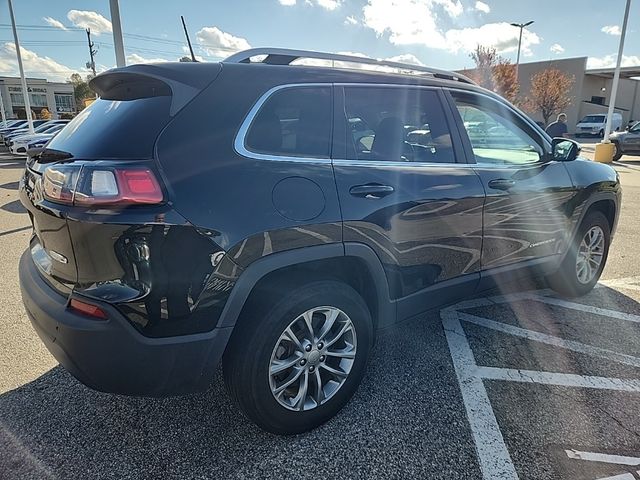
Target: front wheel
pixel 617 151
pixel 295 361
pixel 583 264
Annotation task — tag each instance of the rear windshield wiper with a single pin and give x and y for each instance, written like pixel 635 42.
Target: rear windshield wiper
pixel 53 155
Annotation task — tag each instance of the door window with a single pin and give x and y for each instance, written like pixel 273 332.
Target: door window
pixel 496 133
pixel 293 122
pixel 396 124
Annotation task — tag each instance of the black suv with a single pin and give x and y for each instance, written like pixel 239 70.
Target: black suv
pixel 274 216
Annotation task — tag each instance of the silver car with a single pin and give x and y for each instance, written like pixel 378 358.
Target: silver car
pixel 627 142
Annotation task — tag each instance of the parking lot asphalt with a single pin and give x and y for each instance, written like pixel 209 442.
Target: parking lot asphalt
pixel 515 384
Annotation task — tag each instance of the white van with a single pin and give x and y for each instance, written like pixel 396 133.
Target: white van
pixel 594 124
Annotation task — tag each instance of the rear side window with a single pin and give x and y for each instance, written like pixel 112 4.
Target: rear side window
pixel 396 124
pixel 115 129
pixel 294 122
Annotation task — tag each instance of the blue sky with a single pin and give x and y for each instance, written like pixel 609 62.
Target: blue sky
pixel 434 32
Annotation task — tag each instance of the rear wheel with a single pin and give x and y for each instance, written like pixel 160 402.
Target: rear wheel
pixel 586 258
pixel 293 363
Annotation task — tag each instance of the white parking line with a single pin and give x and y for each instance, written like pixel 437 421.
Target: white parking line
pixel 558 379
pixel 602 457
pixel 494 458
pixel 551 340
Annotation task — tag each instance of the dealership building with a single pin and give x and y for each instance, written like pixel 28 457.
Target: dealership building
pixel 56 97
pixel 591 89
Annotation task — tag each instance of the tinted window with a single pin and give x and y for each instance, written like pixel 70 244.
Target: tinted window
pixel 496 133
pixel 115 129
pixel 294 122
pixel 396 124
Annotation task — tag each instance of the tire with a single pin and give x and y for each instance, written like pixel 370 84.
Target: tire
pixel 601 133
pixel 617 154
pixel 570 280
pixel 258 343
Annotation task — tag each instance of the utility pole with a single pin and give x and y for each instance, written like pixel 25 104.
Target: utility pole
pixel 186 34
pixel 92 52
pixel 25 91
pixel 118 43
pixel 521 26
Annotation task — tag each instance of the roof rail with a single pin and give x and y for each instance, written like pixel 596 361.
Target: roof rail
pixel 285 56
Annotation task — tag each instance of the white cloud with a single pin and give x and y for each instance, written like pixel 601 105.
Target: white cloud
pixel 609 61
pixel 329 4
pixel 34 65
pixel 54 23
pixel 482 7
pixel 287 3
pixel 351 20
pixel 406 58
pixel 611 30
pixel 556 48
pixel 88 19
pixel 134 58
pixel 420 22
pixel 220 44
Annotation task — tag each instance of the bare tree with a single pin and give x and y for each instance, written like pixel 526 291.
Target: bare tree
pixel 549 93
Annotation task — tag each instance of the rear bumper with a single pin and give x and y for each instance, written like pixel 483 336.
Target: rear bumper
pixel 110 355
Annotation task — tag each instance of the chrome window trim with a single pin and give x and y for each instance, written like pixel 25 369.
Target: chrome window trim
pixel 239 143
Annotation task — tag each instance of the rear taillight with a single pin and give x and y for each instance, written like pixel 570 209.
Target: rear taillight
pixel 99 185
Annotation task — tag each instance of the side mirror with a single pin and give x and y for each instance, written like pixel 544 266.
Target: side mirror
pixel 564 150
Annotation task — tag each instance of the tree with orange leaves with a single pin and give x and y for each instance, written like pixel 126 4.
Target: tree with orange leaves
pixel 494 72
pixel 549 93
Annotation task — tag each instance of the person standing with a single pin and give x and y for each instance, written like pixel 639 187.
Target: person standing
pixel 559 127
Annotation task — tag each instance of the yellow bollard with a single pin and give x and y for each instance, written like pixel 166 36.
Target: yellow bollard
pixel 604 152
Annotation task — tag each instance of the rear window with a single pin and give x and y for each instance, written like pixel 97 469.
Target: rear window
pixel 294 122
pixel 115 129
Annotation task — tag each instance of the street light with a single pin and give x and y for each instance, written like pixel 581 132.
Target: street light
pixel 521 26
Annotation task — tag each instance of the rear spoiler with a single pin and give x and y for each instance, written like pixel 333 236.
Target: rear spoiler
pixel 180 80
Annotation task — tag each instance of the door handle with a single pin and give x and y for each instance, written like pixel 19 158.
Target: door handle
pixel 371 190
pixel 502 183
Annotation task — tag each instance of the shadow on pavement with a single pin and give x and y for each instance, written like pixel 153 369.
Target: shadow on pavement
pixel 10 185
pixel 407 419
pixel 14 207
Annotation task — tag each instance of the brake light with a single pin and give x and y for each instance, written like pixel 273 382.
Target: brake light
pixel 87 309
pixel 99 185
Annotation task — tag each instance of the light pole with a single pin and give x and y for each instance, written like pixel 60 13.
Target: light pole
pixel 605 149
pixel 118 44
pixel 521 26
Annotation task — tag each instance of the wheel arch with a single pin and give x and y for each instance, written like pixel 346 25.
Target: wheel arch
pixel 355 264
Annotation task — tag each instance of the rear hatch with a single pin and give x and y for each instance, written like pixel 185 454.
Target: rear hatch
pixel 109 145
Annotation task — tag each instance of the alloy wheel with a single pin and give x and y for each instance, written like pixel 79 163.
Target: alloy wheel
pixel 312 358
pixel 590 254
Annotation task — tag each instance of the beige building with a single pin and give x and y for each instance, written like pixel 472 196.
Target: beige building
pixel 56 97
pixel 591 90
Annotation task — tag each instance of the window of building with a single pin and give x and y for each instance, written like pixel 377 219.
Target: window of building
pixel 64 102
pixel 16 98
pixel 294 122
pixel 396 124
pixel 38 99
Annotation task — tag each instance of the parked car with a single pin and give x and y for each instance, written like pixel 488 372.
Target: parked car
pixel 39 128
pixel 627 142
pixel 270 237
pixel 19 145
pixel 594 125
pixel 14 126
